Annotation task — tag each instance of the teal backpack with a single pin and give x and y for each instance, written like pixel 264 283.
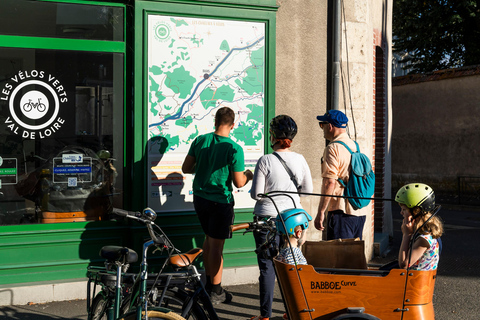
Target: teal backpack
pixel 361 183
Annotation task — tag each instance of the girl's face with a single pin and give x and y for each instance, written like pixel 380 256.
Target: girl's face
pixel 405 212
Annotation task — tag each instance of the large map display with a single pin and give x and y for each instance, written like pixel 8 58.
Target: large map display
pixel 196 66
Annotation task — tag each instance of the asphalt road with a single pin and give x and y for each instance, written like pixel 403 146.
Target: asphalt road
pixel 457 289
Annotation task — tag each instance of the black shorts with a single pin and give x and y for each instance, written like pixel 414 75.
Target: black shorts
pixel 215 218
pixel 344 226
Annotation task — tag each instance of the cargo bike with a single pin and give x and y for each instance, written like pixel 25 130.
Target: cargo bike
pixel 318 293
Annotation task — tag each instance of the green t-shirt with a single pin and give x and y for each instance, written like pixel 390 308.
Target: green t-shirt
pixel 215 158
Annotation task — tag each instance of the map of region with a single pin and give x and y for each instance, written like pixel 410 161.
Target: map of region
pixel 196 66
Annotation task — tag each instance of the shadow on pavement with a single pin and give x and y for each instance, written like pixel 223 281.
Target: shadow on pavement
pixel 63 310
pixel 245 304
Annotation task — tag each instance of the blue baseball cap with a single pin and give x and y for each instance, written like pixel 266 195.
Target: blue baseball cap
pixel 335 117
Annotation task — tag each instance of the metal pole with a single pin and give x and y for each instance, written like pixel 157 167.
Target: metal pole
pixel 336 38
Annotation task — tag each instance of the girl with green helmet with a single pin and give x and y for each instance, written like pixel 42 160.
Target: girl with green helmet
pixel 417 203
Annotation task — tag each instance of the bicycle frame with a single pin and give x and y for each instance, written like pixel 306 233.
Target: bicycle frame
pixel 143 284
pixel 177 279
pixel 113 311
pixel 142 292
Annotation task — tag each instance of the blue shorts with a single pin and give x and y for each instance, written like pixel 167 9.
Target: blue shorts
pixel 215 218
pixel 344 226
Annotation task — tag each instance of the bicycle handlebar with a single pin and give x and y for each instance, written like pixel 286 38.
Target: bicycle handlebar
pixel 147 217
pixel 253 226
pixel 240 226
pixel 127 214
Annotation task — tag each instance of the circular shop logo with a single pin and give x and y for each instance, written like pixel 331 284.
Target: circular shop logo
pixel 34 105
pixel 162 31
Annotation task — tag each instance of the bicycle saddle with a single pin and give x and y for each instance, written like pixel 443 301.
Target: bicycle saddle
pixel 117 253
pixel 185 259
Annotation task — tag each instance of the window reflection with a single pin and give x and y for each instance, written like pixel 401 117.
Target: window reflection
pixel 61 135
pixel 61 20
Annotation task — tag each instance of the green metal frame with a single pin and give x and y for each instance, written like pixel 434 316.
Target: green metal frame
pixel 60 251
pixel 240 249
pixel 62 44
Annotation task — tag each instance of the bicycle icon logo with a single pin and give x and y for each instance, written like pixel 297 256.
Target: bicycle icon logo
pixel 34 105
pixel 39 106
pixel 162 31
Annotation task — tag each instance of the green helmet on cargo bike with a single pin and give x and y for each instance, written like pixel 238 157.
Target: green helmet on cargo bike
pixel 416 195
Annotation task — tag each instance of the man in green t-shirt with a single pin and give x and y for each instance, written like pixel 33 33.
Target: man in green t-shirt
pixel 217 161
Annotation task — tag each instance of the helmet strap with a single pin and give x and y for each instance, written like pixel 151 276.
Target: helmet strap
pixel 419 214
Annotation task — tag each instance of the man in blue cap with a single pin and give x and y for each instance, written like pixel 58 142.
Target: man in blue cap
pixel 343 222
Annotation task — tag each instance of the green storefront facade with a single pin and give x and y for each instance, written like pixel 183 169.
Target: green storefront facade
pixel 98 103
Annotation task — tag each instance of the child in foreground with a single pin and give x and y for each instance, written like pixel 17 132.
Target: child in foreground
pixel 296 223
pixel 417 203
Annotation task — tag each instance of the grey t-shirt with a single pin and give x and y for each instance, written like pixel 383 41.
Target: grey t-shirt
pixel 270 175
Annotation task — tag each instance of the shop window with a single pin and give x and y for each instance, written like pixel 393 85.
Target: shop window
pixel 61 135
pixel 61 20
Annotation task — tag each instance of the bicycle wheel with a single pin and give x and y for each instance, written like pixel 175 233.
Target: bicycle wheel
pixel 27 107
pixel 156 315
pixel 174 300
pixel 41 107
pixel 99 307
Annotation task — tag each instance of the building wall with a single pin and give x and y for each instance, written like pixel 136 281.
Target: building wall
pixel 302 91
pixel 435 133
pixel 302 79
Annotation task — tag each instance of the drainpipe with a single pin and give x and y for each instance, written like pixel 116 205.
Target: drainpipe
pixel 336 47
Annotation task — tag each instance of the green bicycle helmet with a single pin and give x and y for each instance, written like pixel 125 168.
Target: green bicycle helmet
pixel 416 195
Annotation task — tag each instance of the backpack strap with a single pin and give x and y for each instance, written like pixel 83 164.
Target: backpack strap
pixel 345 145
pixel 349 150
pixel 292 177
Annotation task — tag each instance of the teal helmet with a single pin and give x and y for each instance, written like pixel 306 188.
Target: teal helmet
pixel 292 218
pixel 416 195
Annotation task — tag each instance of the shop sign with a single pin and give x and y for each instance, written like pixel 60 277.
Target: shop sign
pixel 80 170
pixel 72 158
pixel 34 100
pixel 8 171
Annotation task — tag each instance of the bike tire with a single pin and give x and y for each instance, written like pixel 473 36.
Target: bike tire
pixel 174 300
pixel 156 315
pixel 99 307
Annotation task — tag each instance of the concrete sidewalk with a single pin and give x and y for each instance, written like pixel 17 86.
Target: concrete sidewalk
pixel 244 305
